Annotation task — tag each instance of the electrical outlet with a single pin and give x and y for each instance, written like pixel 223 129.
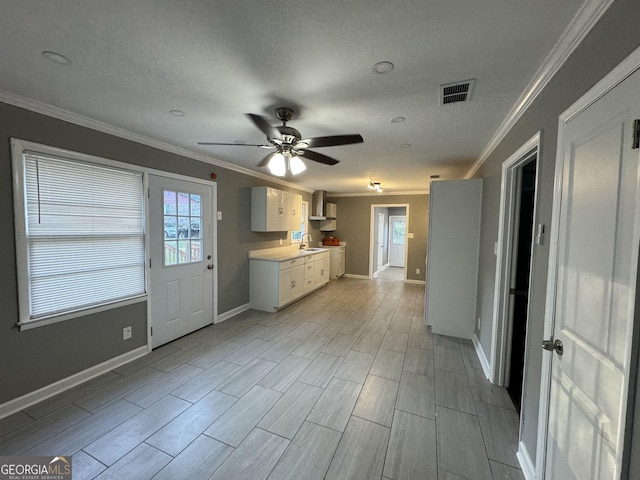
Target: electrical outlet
pixel 126 333
pixel 417 271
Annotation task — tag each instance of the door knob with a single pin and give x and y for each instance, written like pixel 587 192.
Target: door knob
pixel 552 345
pixel 210 267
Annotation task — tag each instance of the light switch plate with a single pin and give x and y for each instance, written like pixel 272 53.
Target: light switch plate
pixel 219 215
pixel 409 235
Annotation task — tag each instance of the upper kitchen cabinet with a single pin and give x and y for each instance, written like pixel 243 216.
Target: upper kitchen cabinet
pixel 273 210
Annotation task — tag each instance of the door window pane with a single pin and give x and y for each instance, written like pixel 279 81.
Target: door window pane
pixel 399 232
pixel 182 222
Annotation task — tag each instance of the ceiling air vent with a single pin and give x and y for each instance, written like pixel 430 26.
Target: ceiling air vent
pixel 456 92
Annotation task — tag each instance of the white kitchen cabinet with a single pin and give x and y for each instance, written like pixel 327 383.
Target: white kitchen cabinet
pixel 286 212
pixel 309 280
pixel 274 284
pixel 295 212
pixel 337 261
pixel 273 210
pixel 321 269
pixel 452 253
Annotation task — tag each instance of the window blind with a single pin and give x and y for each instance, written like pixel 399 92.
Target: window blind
pixel 85 234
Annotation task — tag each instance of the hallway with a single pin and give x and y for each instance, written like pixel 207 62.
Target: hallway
pixel 346 383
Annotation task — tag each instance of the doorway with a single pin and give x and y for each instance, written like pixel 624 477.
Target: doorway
pixel 381 241
pixel 514 268
pixel 520 278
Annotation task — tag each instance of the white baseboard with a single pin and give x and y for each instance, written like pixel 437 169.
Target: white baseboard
pixel 233 312
pixel 526 463
pixel 20 403
pixel 486 368
pixel 415 282
pixel 352 275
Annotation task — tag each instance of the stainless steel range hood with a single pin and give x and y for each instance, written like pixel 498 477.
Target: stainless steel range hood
pixel 320 209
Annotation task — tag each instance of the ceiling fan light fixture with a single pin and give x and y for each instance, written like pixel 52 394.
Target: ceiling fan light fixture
pixel 277 165
pixel 296 165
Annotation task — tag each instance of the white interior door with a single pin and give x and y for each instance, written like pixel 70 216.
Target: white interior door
pixel 380 248
pixel 397 240
pixel 595 268
pixel 181 243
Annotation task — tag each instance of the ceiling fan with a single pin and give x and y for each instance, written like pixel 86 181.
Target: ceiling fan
pixel 290 145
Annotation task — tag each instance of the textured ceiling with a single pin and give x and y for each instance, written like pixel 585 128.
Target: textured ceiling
pixel 134 61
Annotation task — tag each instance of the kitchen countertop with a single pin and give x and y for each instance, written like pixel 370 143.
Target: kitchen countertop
pixel 281 255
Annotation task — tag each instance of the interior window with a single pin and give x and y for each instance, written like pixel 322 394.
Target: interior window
pixel 79 235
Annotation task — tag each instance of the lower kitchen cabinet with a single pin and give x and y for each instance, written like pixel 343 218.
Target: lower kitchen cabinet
pixel 274 284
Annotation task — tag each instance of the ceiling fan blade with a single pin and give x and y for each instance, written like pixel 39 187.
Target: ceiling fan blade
pixel 332 140
pixel 318 157
pixel 264 126
pixel 266 159
pixel 236 144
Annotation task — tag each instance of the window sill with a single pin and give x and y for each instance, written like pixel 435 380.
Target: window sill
pixel 40 322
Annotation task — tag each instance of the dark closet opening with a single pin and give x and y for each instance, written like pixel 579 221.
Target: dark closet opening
pixel 520 284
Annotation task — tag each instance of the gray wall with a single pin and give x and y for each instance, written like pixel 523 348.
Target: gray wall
pixel 354 217
pixel 613 38
pixel 35 358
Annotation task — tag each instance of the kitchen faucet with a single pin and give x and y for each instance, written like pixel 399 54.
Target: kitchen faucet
pixel 302 240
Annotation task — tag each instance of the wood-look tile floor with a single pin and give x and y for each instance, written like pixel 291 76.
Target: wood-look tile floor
pixel 345 384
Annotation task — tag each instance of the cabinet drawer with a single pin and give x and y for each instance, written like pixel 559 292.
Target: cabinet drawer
pixel 308 270
pixel 291 263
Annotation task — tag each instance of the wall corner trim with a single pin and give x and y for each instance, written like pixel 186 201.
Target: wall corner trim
pixel 578 28
pixel 20 403
pixel 481 356
pixel 525 461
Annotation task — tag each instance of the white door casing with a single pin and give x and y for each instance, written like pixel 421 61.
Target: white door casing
pixel 591 287
pixel 181 257
pixel 380 247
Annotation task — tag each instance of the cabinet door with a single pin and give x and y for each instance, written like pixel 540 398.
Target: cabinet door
pixel 274 209
pixel 297 282
pixel 286 206
pixel 284 286
pixel 341 265
pixel 295 212
pixel 321 272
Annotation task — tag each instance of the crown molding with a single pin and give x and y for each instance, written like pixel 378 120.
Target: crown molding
pixel 578 28
pixel 381 194
pixel 103 127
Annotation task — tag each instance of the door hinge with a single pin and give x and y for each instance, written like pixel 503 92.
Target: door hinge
pixel 148 193
pixel 636 134
pixel 149 263
pixel 151 334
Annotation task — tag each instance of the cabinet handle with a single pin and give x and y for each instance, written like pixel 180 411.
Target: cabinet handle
pixel 322 272
pixel 293 283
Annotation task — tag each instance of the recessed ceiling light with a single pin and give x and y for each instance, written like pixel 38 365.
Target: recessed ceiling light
pixel 381 68
pixel 57 58
pixel 406 145
pixel 177 113
pixel 397 119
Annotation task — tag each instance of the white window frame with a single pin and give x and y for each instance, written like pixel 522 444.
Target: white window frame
pixel 18 148
pixel 304 220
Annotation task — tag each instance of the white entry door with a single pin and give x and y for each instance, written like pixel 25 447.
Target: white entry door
pixel 380 248
pixel 397 240
pixel 593 293
pixel 181 244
